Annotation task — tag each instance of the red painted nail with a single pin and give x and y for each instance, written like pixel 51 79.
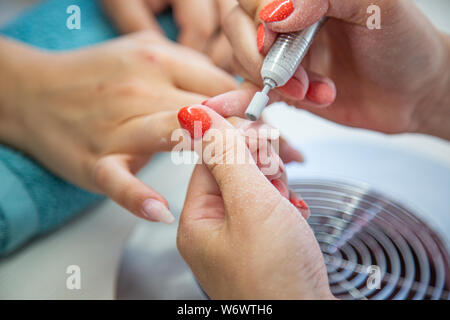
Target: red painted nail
pixel 281 187
pixel 320 92
pixel 276 10
pixel 299 203
pixel 191 118
pixel 205 102
pixel 260 37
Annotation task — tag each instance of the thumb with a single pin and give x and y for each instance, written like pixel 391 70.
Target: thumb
pixel 245 190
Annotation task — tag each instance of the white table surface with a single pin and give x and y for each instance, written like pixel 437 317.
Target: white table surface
pixel 95 240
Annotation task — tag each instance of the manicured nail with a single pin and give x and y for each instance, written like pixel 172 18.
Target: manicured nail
pixel 204 102
pixel 294 88
pixel 281 187
pixel 276 11
pixel 194 120
pixel 299 203
pixel 260 37
pixel 320 92
pixel 155 210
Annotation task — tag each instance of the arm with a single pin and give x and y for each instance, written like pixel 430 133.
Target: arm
pixel 22 67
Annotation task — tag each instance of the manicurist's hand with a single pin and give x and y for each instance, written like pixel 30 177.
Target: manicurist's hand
pixel 198 22
pixel 239 234
pixel 96 116
pixel 393 80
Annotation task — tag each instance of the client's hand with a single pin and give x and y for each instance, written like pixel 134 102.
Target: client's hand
pixel 394 79
pixel 240 236
pixel 96 116
pixel 198 22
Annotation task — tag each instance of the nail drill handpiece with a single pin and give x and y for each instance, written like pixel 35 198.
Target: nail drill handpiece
pixel 281 63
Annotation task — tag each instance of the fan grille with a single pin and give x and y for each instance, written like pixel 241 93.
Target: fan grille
pixel 358 228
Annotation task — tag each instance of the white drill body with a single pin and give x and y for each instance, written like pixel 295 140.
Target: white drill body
pixel 281 63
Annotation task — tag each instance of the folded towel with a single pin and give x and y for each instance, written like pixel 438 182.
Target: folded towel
pixel 32 200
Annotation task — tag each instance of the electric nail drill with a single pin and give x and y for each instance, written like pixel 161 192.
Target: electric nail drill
pixel 281 63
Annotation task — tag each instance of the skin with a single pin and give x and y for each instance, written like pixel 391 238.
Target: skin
pixel 199 23
pixel 101 124
pixel 232 218
pixel 392 80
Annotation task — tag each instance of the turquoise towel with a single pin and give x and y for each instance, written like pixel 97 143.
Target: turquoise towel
pixel 32 200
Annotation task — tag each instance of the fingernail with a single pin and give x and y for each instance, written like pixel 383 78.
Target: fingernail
pixel 155 210
pixel 294 88
pixel 320 92
pixel 299 203
pixel 260 37
pixel 281 187
pixel 204 102
pixel 276 11
pixel 195 120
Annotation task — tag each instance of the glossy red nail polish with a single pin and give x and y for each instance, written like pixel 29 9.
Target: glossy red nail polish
pixel 299 203
pixel 277 10
pixel 205 102
pixel 260 37
pixel 190 117
pixel 320 92
pixel 281 187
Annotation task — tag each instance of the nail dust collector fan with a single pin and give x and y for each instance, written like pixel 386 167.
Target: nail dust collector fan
pixel 359 230
pixel 372 204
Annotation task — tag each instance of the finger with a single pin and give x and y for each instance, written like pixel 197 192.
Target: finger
pixel 233 103
pixel 295 15
pixel 224 8
pixel 113 175
pixel 301 205
pixel 131 16
pixel 265 37
pixel 261 140
pixel 244 188
pixel 197 20
pixel 151 133
pixel 157 6
pixel 288 153
pixel 198 75
pixel 287 15
pixel 238 69
pixel 241 32
pixel 220 52
pixel 296 88
pixel 321 91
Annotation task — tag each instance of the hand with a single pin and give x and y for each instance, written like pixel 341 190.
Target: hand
pixel 96 116
pixel 198 22
pixel 240 236
pixel 392 80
